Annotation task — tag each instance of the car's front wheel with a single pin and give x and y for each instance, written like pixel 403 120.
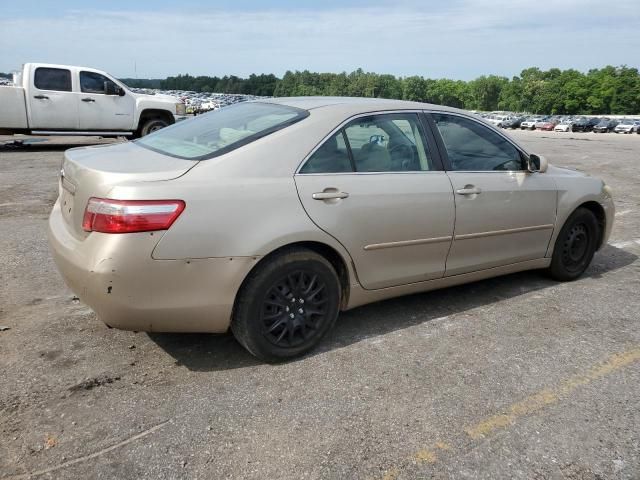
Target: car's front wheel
pixel 287 305
pixel 575 246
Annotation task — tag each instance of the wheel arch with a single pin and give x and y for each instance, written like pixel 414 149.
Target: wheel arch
pixel 594 207
pixel 598 211
pixel 149 113
pixel 328 252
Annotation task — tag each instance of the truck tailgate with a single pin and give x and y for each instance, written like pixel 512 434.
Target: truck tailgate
pixel 13 110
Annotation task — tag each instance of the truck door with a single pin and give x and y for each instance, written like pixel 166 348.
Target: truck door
pixel 52 103
pixel 100 107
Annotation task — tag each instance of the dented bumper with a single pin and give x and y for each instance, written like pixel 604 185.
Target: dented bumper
pixel 116 276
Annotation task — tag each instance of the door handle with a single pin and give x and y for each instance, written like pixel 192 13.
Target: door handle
pixel 469 190
pixel 329 195
pixel 88 100
pixel 41 97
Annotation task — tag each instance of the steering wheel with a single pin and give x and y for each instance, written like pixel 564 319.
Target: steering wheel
pixel 503 166
pixel 404 155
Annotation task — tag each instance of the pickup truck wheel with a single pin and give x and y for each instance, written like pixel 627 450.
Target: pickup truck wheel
pixel 152 125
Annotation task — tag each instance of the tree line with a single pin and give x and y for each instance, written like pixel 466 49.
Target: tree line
pixel 262 85
pixel 614 90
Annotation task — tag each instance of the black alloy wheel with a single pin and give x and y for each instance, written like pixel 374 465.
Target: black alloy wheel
pixel 294 309
pixel 287 304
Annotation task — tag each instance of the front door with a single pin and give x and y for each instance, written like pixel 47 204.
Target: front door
pixel 99 111
pixel 504 214
pixel 52 103
pixel 375 187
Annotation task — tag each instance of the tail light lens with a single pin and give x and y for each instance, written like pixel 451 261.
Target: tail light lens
pixel 129 216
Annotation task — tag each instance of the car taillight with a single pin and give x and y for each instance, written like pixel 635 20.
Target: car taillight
pixel 127 216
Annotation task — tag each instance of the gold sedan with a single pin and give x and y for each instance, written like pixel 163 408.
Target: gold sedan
pixel 269 217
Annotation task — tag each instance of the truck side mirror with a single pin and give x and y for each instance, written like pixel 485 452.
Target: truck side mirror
pixel 111 88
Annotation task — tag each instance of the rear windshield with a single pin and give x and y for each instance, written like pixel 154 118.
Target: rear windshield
pixel 221 131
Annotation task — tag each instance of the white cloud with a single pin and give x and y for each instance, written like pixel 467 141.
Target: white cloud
pixel 463 39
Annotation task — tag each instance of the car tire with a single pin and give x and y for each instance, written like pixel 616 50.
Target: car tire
pixel 575 246
pixel 151 125
pixel 265 320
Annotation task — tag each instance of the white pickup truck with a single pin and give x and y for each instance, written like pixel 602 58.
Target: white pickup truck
pixel 58 99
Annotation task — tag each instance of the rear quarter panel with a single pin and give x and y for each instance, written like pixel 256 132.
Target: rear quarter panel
pixel 243 203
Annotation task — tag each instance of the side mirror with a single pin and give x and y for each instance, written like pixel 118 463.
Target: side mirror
pixel 537 163
pixel 111 88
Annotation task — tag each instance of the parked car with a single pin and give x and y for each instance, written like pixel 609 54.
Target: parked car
pixel 512 123
pixel 627 126
pixel 548 125
pixel 529 123
pixel 497 119
pixel 541 122
pixel 60 99
pixel 255 218
pixel 606 125
pixel 565 126
pixel 585 124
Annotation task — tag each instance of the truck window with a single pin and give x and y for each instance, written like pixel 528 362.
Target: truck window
pixel 92 82
pixel 52 79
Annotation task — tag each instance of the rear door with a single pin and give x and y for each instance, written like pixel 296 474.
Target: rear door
pixel 377 188
pixel 504 214
pixel 52 103
pixel 99 111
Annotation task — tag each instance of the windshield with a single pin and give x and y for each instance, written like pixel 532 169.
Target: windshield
pixel 221 131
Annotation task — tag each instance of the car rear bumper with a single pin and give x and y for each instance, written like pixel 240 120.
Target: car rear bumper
pixel 116 276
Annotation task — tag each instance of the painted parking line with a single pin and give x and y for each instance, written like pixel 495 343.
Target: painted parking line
pixel 623 212
pixel 530 405
pixel 626 243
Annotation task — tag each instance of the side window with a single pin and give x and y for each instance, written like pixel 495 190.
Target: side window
pixel 331 157
pixel 388 143
pixel 91 82
pixel 52 79
pixel 472 146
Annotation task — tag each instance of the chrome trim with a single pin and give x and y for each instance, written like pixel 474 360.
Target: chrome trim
pixel 77 132
pixel 67 184
pixel 469 236
pixel 403 172
pixel 408 243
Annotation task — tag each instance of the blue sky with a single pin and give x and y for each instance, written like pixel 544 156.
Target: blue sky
pixel 459 39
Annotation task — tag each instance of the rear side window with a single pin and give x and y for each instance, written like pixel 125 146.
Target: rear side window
pixel 91 82
pixel 221 131
pixel 331 157
pixel 52 79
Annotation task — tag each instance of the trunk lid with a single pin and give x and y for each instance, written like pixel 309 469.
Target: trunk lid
pixel 94 171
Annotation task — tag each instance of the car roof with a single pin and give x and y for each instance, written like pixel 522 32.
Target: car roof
pixel 356 103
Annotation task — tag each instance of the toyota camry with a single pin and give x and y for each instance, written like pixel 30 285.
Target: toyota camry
pixel 270 217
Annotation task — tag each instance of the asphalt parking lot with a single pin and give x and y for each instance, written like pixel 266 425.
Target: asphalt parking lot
pixel 515 377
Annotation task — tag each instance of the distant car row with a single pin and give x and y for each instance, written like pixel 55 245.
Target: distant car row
pixel 567 124
pixel 201 102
